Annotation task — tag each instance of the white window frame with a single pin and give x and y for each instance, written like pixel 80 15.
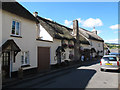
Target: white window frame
pixel 24 55
pixel 16 27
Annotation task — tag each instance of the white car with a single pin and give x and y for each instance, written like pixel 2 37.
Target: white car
pixel 110 62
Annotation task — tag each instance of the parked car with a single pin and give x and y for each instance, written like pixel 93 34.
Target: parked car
pixel 110 62
pixel 117 54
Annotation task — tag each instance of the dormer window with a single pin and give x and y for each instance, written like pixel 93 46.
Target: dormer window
pixel 15 28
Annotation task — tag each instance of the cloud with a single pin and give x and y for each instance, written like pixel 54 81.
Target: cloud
pixel 49 19
pixel 114 27
pixel 112 41
pixel 116 32
pixel 79 20
pixel 99 31
pixel 71 26
pixel 86 23
pixel 92 22
pixel 68 23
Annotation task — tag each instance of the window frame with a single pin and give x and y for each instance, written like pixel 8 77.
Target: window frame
pixel 98 44
pixel 24 55
pixel 16 21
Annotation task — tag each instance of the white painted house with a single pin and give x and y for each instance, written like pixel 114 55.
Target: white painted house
pixel 96 43
pixel 32 42
pixel 20 45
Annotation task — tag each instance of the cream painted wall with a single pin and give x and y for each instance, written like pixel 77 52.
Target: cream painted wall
pixel 67 52
pixel 28 41
pixel 84 46
pixel 53 46
pixel 44 34
pixel 96 46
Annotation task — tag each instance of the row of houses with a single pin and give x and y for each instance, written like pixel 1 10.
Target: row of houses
pixel 30 41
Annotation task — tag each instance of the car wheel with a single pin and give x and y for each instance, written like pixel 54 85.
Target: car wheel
pixel 101 69
pixel 104 70
pixel 119 70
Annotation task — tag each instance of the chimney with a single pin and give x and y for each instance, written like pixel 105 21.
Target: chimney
pixel 75 28
pixel 94 30
pixel 76 42
pixel 35 14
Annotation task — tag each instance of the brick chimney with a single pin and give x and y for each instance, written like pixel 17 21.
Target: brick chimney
pixel 35 14
pixel 77 42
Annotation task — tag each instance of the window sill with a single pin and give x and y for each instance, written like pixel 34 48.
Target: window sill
pixel 16 36
pixel 25 66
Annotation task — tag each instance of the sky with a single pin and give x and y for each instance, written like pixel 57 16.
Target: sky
pixel 101 15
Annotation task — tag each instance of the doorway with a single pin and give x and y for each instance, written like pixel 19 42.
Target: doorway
pixel 6 63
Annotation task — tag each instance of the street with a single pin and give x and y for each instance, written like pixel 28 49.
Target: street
pixel 86 76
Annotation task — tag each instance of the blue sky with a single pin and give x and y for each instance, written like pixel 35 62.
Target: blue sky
pixel 102 15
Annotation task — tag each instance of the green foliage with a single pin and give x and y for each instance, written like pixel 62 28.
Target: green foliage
pixel 113 46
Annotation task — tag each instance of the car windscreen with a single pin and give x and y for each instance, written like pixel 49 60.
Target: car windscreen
pixel 110 58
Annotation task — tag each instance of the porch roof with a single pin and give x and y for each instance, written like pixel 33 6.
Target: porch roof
pixel 10 45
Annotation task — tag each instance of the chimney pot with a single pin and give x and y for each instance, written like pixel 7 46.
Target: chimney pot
pixel 35 14
pixel 94 30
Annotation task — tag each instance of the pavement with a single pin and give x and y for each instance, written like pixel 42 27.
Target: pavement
pixel 14 81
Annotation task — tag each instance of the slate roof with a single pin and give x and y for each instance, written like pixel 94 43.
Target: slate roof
pixel 58 31
pixel 90 35
pixel 16 8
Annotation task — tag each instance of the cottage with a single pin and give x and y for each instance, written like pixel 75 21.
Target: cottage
pixel 31 42
pixel 96 42
pixel 63 42
pixel 20 45
pixel 88 42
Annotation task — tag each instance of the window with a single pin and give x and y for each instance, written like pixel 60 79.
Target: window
pixel 91 43
pixel 110 58
pixel 98 44
pixel 25 58
pixel 15 28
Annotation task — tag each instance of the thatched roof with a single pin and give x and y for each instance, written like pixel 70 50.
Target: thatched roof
pixel 55 30
pixel 90 35
pixel 16 8
pixel 59 31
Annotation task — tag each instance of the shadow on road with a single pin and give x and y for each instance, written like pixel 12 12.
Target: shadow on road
pixel 88 63
pixel 78 78
pixel 112 71
pixel 70 78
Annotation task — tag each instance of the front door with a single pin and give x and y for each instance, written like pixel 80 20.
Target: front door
pixel 6 63
pixel 43 58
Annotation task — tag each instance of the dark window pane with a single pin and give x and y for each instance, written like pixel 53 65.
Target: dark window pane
pixel 110 58
pixel 17 28
pixel 13 27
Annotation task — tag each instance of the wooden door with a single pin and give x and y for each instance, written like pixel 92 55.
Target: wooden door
pixel 6 63
pixel 43 58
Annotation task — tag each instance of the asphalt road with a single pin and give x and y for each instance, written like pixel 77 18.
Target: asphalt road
pixel 87 76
